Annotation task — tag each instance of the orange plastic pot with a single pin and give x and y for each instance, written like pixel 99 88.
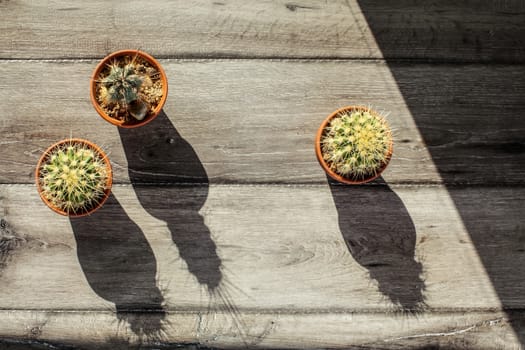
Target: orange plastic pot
pixel 108 59
pixel 319 154
pixel 97 150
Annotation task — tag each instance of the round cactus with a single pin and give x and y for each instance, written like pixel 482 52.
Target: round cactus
pixel 122 86
pixel 356 144
pixel 129 88
pixel 73 177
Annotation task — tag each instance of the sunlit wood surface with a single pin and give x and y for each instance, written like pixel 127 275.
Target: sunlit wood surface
pixel 222 231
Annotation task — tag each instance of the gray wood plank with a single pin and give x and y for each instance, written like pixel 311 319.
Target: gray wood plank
pixel 459 31
pixel 177 246
pixel 69 330
pixel 253 121
pixel 314 266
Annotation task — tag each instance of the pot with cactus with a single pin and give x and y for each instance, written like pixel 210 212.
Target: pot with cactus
pixel 74 177
pixel 354 144
pixel 128 88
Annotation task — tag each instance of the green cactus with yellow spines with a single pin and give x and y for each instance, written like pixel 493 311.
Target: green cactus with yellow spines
pixel 73 177
pixel 356 144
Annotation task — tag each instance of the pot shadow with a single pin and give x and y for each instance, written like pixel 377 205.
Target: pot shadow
pixel 172 185
pixel 120 267
pixel 470 117
pixel 381 237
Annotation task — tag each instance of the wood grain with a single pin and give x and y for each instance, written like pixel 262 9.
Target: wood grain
pixel 470 31
pixel 256 241
pixel 282 260
pixel 252 121
pixel 222 230
pixel 81 330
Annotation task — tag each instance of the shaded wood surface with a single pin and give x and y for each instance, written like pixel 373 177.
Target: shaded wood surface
pixel 247 125
pixel 466 31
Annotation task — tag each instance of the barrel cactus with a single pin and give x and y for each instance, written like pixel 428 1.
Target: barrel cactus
pixel 74 177
pixel 356 144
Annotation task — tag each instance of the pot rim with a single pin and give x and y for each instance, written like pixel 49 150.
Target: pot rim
pixel 319 153
pixel 109 180
pixel 93 86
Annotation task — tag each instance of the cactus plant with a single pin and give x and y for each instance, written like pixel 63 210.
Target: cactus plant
pixel 356 144
pixel 122 87
pixel 127 87
pixel 74 176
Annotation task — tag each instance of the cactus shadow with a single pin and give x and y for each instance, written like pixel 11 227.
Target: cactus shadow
pixel 171 184
pixel 120 267
pixel 381 237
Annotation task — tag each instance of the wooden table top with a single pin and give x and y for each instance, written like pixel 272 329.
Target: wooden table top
pixel 222 230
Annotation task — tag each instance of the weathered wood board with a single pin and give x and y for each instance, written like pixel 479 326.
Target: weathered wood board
pixel 458 31
pixel 297 246
pixel 473 330
pixel 267 263
pixel 253 121
pixel 222 230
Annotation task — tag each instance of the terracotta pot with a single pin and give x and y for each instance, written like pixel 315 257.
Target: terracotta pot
pixel 115 55
pixel 96 149
pixel 319 154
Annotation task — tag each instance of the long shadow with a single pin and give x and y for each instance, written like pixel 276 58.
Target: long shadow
pixel 120 267
pixel 381 236
pixel 171 185
pixel 470 117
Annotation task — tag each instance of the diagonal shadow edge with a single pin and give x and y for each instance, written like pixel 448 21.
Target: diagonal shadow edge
pixel 438 129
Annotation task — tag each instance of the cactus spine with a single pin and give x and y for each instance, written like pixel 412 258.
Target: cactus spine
pixel 73 177
pixel 122 87
pixel 356 144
